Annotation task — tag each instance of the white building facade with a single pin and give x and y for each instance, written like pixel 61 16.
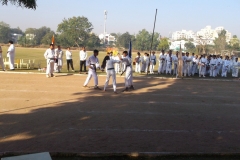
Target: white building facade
pixel 206 35
pixel 175 45
pixel 184 34
pixel 108 38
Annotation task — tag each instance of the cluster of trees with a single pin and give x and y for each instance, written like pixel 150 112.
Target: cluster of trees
pixel 6 33
pixel 219 46
pixel 141 41
pixel 76 32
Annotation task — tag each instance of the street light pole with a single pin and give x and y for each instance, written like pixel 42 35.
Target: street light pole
pixel 105 20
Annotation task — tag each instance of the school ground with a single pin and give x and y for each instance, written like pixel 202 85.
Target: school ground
pixel 160 117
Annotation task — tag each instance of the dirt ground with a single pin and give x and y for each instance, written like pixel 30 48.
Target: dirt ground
pixel 161 116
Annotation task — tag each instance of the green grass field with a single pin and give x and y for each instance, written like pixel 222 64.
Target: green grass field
pixel 37 54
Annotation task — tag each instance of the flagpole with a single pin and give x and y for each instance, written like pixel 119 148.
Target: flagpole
pixel 152 41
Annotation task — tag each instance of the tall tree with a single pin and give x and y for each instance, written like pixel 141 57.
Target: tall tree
pixel 5 32
pixel 40 33
pixel 234 43
pixel 47 39
pixel 203 41
pixel 123 40
pixel 30 4
pixel 16 30
pixel 220 42
pixel 116 35
pixel 75 30
pixel 163 44
pixel 30 31
pixel 93 41
pixel 28 38
pixel 190 47
pixel 143 40
pixel 156 41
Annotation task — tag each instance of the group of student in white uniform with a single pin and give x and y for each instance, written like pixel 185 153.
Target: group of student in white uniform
pixel 54 62
pixel 212 65
pixel 54 59
pixel 108 65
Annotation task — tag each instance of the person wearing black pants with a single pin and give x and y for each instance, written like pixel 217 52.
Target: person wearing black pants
pixel 83 57
pixel 69 59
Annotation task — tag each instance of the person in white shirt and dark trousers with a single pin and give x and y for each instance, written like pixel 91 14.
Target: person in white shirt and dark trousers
pixel 83 57
pixel 69 59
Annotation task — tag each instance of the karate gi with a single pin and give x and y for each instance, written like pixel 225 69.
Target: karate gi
pixel 175 63
pixel 143 60
pixel 147 63
pixel 128 71
pixel 94 63
pixel 1 59
pixel 231 64
pixel 213 67
pixel 184 58
pixel 187 66
pixel 235 68
pixel 152 63
pixel 169 64
pixel 226 66
pixel 161 63
pixel 117 65
pixel 191 65
pixel 56 61
pixel 11 55
pixel 137 65
pixel 60 60
pixel 111 72
pixel 122 66
pixel 194 65
pixel 165 63
pixel 219 65
pixel 202 66
pixel 208 67
pixel 50 57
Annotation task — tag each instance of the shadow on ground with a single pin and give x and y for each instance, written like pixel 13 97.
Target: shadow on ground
pixel 159 117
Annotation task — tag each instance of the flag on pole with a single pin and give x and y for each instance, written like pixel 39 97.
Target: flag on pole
pixel 53 40
pixel 130 49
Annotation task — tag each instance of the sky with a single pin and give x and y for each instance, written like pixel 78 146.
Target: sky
pixel 129 15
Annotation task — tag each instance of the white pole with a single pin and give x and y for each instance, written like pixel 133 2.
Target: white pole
pixel 105 20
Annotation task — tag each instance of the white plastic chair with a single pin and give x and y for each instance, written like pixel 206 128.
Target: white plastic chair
pixel 31 63
pixel 24 62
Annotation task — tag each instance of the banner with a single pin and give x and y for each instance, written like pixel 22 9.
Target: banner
pixel 113 50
